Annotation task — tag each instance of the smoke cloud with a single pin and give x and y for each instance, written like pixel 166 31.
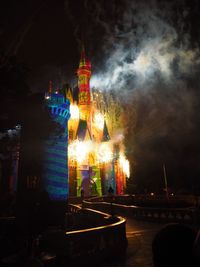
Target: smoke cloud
pixel 144 45
pixel 148 53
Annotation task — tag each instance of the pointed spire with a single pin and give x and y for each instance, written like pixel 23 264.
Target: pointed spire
pixel 106 136
pixel 69 94
pixel 84 74
pixel 84 63
pixel 83 58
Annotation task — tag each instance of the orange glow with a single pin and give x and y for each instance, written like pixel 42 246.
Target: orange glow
pixel 74 111
pixel 104 152
pixel 79 151
pixel 124 163
pixel 99 121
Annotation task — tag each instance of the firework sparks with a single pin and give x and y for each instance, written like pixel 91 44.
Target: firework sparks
pixel 124 163
pixel 74 111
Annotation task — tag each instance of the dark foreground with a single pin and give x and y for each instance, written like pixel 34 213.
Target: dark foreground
pixel 139 254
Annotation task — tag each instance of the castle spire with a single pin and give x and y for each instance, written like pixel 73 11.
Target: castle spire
pixel 83 58
pixel 84 74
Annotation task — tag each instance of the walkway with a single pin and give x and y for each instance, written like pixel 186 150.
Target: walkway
pixel 140 236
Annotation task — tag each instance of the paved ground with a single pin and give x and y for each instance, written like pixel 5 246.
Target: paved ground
pixel 140 236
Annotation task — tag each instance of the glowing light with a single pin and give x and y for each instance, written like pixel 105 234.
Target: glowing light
pixel 79 151
pixel 74 111
pixel 124 163
pixel 118 137
pixel 142 63
pixel 104 152
pixel 99 121
pixel 47 96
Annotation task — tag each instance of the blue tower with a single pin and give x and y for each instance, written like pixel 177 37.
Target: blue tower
pixel 56 161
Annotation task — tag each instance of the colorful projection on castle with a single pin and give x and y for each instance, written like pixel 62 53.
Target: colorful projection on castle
pixel 55 165
pixel 89 156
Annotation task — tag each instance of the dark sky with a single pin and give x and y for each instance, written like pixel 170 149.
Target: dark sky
pixel 47 29
pixel 42 35
pixel 46 34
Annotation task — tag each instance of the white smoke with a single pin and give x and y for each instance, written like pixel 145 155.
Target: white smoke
pixel 148 53
pixel 143 45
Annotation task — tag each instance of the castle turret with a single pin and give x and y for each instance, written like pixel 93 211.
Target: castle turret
pixel 84 74
pixel 55 167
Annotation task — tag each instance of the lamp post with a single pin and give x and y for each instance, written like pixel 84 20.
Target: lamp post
pixel 110 193
pixel 166 185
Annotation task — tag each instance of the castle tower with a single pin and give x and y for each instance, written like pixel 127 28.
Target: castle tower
pixel 55 165
pixel 88 173
pixel 84 74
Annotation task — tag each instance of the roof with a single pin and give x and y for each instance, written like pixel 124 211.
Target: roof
pixel 106 136
pixel 82 130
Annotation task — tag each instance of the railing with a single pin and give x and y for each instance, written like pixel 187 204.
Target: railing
pixel 165 214
pixel 140 200
pixel 92 243
pixel 73 208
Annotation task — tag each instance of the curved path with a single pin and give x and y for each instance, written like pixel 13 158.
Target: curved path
pixel 140 235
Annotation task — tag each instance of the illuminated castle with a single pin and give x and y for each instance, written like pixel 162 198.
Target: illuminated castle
pixel 94 160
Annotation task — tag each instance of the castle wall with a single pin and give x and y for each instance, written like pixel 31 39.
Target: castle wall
pixel 55 174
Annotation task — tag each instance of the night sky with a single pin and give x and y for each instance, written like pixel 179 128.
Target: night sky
pixel 41 34
pixel 46 35
pixel 147 52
